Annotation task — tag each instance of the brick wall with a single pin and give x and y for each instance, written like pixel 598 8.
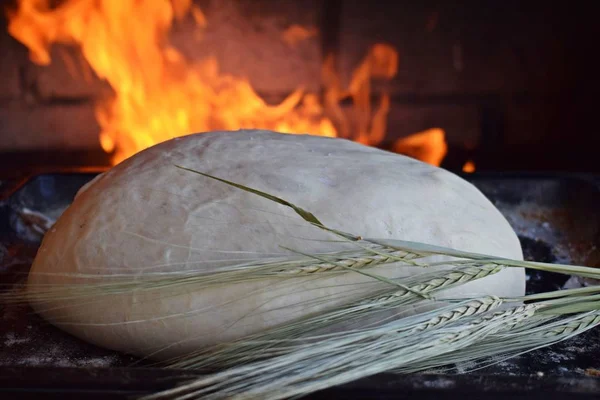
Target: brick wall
pixel 493 73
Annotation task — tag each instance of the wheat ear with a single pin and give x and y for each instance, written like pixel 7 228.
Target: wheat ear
pixel 335 361
pixel 255 347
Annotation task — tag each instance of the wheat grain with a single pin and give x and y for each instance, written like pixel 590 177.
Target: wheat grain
pixel 529 334
pixel 290 267
pixel 457 276
pixel 356 355
pixel 577 325
pixel 384 256
pixel 255 347
pixel 345 358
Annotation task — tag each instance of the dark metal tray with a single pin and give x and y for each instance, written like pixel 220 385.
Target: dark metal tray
pixel 557 218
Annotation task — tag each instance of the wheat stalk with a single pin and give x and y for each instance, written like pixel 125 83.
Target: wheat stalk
pixel 579 324
pixel 469 335
pixel 536 333
pixel 295 359
pixel 276 340
pixel 423 249
pixel 282 268
pixel 411 345
pixel 454 277
pixel 355 355
pixel 452 336
pixel 382 256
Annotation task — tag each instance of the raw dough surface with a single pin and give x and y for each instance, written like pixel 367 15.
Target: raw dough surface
pixel 146 215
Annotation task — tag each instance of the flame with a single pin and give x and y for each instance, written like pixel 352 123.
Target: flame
pixel 296 34
pixel 428 146
pixel 469 167
pixel 159 94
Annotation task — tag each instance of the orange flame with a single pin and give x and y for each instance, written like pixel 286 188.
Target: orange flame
pixel 469 167
pixel 158 94
pixel 296 34
pixel 428 146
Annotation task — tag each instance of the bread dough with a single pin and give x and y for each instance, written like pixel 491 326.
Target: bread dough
pixel 146 216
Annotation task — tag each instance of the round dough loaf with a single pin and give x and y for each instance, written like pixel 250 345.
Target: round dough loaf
pixel 147 215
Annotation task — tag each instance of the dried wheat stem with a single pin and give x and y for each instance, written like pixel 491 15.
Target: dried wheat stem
pixel 455 276
pixel 340 361
pixel 387 357
pixel 362 347
pixel 575 325
pixel 232 353
pixel 367 258
pixel 512 316
pixel 368 261
pixel 473 307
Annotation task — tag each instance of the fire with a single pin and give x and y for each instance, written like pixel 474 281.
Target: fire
pixel 297 33
pixel 469 167
pixel 429 146
pixel 159 94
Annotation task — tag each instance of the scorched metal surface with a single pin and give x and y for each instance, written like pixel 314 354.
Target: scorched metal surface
pixel 557 219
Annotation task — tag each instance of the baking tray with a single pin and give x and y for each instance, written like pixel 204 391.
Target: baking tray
pixel 557 219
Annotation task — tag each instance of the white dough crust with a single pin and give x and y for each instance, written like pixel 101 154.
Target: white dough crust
pixel 147 215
